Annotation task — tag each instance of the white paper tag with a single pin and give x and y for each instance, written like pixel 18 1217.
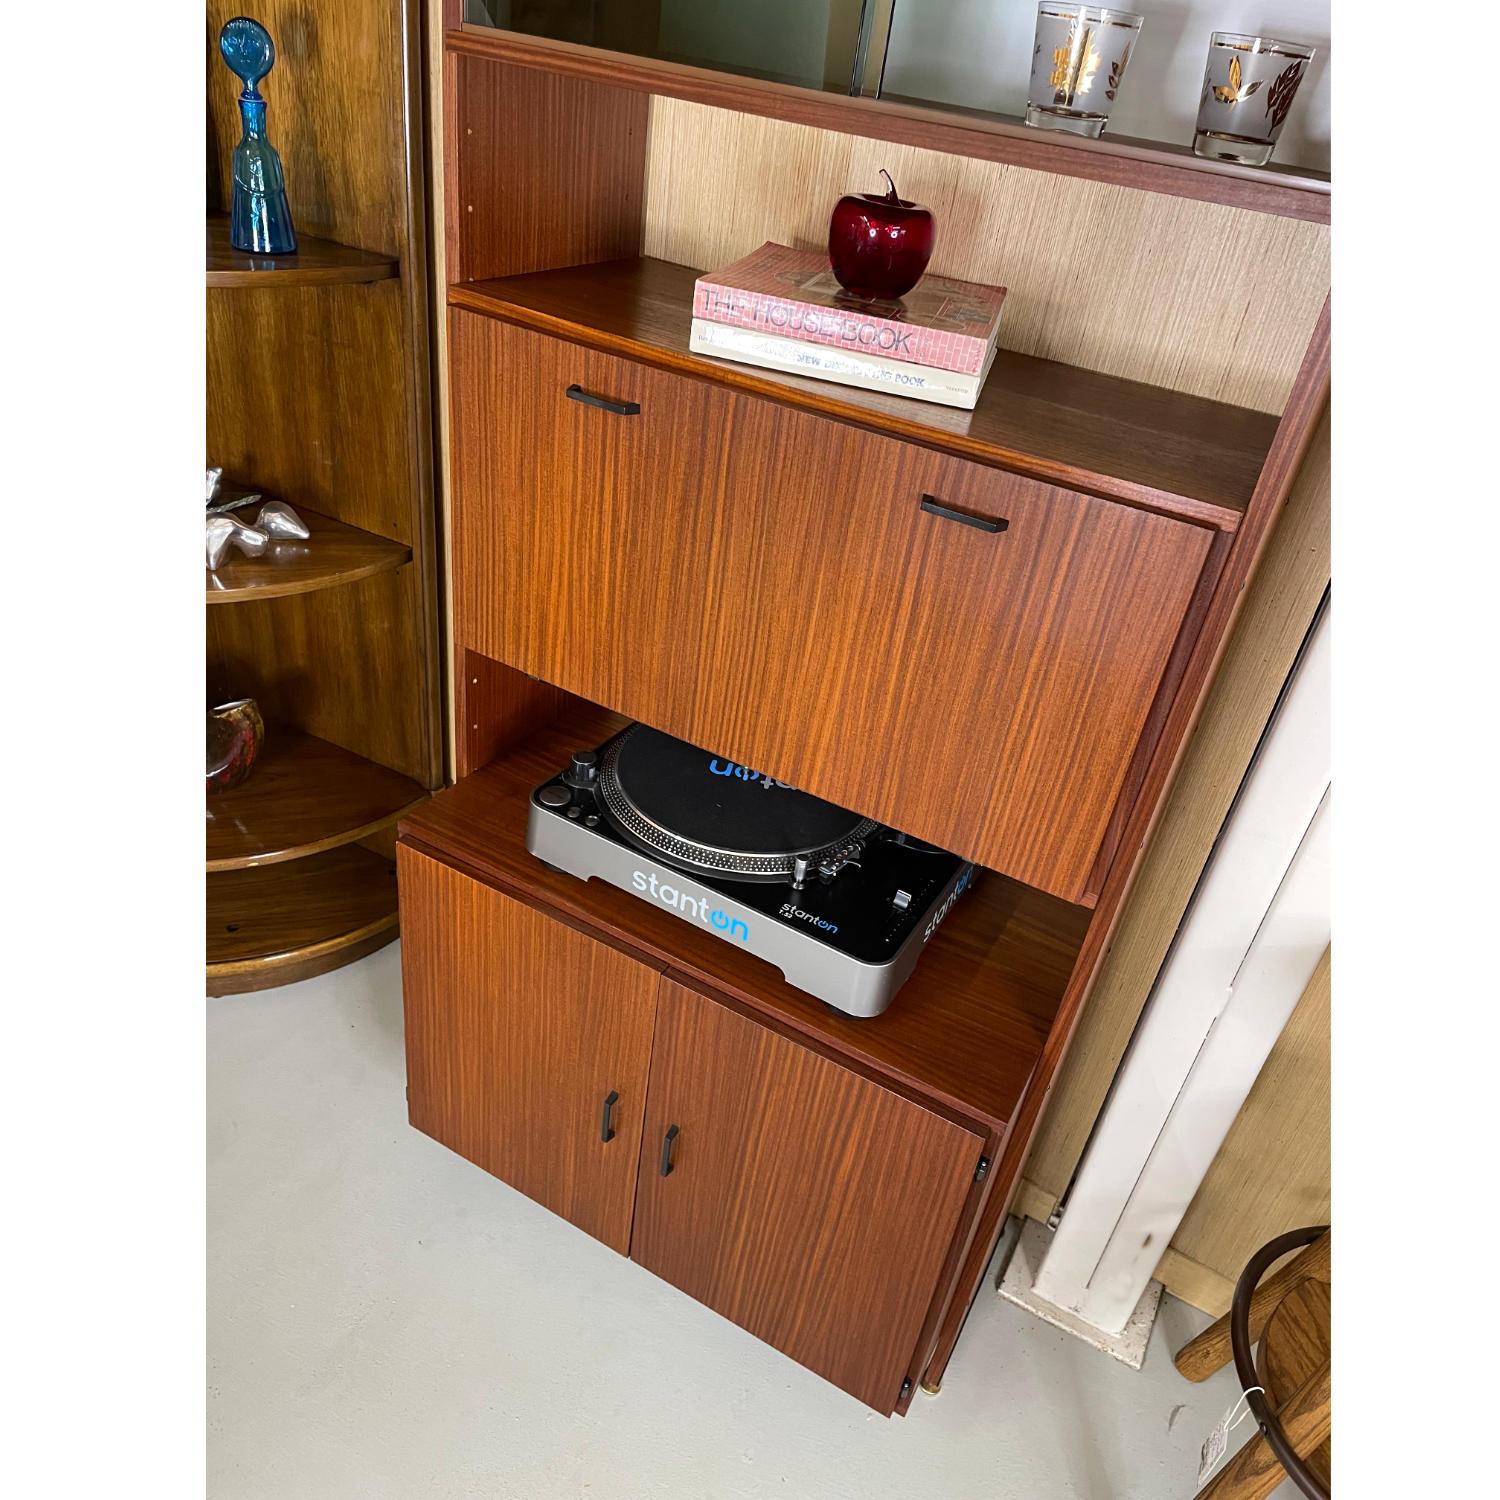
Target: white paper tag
pixel 1217 1442
pixel 1213 1447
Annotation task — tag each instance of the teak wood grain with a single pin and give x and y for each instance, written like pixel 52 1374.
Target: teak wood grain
pixel 333 554
pixel 275 924
pixel 1151 166
pixel 303 796
pixel 806 1204
pixel 1159 449
pixel 965 1030
pixel 317 262
pixel 1294 433
pixel 517 1029
pixel 764 583
pixel 567 185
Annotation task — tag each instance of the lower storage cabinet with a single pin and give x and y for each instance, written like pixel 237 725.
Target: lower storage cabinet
pixel 518 1030
pixel 806 1202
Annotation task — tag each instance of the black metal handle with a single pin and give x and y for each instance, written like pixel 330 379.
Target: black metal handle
pixel 619 408
pixel 666 1150
pixel 947 512
pixel 606 1130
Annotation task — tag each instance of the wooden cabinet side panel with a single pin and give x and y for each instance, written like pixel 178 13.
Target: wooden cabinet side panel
pixel 516 1029
pixel 806 1203
pixel 764 583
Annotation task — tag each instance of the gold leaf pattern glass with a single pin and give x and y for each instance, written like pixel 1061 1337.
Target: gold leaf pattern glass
pixel 1077 65
pixel 1248 88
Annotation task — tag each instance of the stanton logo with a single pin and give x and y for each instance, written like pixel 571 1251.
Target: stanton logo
pixel 944 909
pixel 791 909
pixel 694 906
pixel 744 773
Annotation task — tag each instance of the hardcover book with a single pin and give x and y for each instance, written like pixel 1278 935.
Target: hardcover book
pixel 821 362
pixel 942 323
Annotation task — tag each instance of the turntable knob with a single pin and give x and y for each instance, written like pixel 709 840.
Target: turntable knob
pixel 554 796
pixel 583 769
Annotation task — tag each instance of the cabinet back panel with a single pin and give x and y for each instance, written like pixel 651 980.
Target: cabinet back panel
pixel 806 1204
pixel 516 1029
pixel 1223 305
pixel 764 583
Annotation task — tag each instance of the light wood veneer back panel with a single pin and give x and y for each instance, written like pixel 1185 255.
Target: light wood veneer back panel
pixel 1196 297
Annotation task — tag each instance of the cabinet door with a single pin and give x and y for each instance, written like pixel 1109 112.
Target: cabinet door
pixel 517 1031
pixel 767 584
pixel 803 1202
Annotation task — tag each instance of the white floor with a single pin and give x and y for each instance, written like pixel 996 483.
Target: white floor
pixel 386 1320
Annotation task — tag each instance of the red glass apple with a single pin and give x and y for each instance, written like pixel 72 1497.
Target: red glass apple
pixel 879 243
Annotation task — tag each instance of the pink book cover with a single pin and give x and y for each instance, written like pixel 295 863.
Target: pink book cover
pixel 942 323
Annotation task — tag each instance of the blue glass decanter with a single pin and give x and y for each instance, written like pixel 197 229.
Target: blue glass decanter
pixel 260 219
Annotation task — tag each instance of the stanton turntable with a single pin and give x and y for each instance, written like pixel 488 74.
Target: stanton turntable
pixel 840 904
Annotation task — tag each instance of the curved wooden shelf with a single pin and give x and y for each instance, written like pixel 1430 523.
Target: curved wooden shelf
pixel 280 923
pixel 303 797
pixel 334 554
pixel 316 263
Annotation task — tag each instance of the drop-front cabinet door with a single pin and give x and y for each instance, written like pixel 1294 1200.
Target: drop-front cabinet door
pixel 800 1200
pixel 767 584
pixel 527 1045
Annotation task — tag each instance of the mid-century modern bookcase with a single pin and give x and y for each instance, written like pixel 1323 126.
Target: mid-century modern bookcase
pixel 744 562
pixel 319 393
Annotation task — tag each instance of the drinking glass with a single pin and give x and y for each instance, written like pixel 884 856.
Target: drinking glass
pixel 1248 88
pixel 1077 65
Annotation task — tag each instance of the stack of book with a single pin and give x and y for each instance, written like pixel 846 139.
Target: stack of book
pixel 782 309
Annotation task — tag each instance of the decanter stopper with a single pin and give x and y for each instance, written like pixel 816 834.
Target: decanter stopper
pixel 260 219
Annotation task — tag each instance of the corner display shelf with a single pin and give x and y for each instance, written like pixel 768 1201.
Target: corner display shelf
pixel 316 263
pixel 318 392
pixel 333 554
pixel 270 925
pixel 752 562
pixel 304 796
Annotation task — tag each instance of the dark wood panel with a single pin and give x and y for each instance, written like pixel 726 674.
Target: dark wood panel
pixel 1147 165
pixel 305 399
pixel 346 664
pixel 333 554
pixel 543 170
pixel 771 590
pixel 334 110
pixel 1303 411
pixel 806 1204
pixel 316 263
pixel 966 1029
pixel 517 1028
pixel 276 924
pixel 304 795
pixel 1158 449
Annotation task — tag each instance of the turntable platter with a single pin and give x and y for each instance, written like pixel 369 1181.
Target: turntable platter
pixel 705 812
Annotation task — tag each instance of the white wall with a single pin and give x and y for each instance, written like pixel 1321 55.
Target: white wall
pixel 977 53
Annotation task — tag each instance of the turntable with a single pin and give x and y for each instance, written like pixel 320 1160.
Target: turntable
pixel 839 903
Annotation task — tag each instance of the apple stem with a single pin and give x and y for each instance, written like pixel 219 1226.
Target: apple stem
pixel 893 196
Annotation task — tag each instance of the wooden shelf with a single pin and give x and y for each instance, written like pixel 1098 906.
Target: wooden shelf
pixel 316 263
pixel 279 923
pixel 968 1026
pixel 1152 166
pixel 334 554
pixel 1155 449
pixel 304 796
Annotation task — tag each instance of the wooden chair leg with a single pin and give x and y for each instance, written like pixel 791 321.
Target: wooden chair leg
pixel 1211 1351
pixel 1254 1472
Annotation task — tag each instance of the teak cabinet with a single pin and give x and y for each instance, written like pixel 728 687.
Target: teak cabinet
pixel 790 1193
pixel 992 629
pixel 681 533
